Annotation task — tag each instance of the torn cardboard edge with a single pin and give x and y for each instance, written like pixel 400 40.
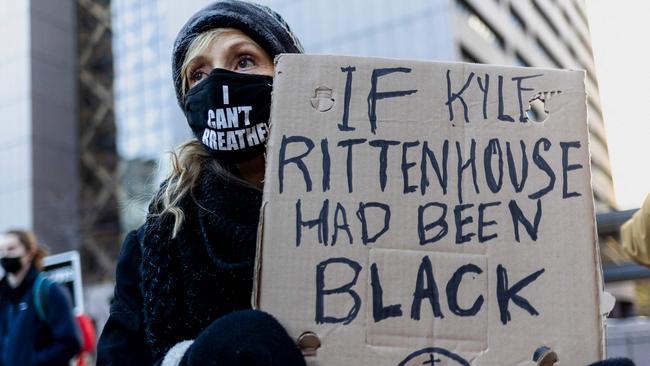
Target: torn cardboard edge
pixel 257 274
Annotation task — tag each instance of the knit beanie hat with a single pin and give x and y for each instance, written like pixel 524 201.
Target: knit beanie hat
pixel 262 24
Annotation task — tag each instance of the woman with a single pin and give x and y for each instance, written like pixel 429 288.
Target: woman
pixel 184 277
pixel 37 326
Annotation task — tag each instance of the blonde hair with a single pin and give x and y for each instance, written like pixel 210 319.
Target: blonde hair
pixel 190 158
pixel 198 46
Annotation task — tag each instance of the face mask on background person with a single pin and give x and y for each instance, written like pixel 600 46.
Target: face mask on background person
pixel 229 113
pixel 11 264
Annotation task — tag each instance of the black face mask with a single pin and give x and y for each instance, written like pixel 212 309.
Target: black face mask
pixel 229 113
pixel 11 264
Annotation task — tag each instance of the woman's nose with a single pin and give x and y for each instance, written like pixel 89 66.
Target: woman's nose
pixel 219 65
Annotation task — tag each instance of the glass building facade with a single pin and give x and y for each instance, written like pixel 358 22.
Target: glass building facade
pixel 148 120
pixel 144 102
pixel 532 33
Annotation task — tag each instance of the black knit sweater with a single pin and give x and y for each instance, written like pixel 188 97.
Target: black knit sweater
pixel 206 271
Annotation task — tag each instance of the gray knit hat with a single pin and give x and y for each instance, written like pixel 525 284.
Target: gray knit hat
pixel 262 24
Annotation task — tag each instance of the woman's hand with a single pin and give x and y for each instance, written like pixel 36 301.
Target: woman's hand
pixel 246 337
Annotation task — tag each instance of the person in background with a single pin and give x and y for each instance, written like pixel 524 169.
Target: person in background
pixel 37 326
pixel 635 234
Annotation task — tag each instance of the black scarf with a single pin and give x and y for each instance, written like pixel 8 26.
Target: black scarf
pixel 206 271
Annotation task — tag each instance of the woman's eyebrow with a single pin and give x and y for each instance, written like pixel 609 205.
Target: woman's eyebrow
pixel 244 43
pixel 195 61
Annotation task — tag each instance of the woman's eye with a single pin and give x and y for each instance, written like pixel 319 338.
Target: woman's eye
pixel 245 62
pixel 197 76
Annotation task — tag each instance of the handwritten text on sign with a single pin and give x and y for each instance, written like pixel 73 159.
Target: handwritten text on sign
pixel 427 168
pixel 414 214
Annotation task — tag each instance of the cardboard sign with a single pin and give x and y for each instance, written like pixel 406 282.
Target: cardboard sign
pixel 65 269
pixel 415 213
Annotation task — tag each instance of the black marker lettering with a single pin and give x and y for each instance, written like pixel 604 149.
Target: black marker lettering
pixel 543 165
pixel 439 222
pixel 519 79
pixel 425 288
pixel 324 147
pixel 361 214
pixel 519 217
pixel 295 160
pixel 471 162
pixel 484 89
pixel 320 221
pixel 462 221
pixel 452 291
pixel 406 165
pixel 343 225
pixel 442 176
pixel 502 116
pixel 383 158
pixel 379 311
pixel 374 96
pixel 321 292
pixel 512 169
pixel 482 238
pixel 493 148
pixel 349 143
pixel 343 126
pixel 451 97
pixel 505 293
pixel 566 168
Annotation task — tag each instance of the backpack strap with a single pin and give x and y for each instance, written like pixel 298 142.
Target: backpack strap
pixel 41 293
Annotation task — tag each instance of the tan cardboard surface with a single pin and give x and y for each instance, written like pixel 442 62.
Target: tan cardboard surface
pixel 426 238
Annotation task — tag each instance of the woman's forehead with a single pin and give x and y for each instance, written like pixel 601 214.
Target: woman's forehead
pixel 229 38
pixel 8 241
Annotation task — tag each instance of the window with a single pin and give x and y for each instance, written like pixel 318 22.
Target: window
pixel 585 42
pixel 521 60
pixel 581 14
pixel 593 79
pixel 479 25
pixel 567 18
pixel 571 51
pixel 467 56
pixel 542 47
pixel 517 19
pixel 544 16
pixel 593 106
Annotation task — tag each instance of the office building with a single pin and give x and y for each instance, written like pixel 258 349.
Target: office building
pixel 540 33
pixel 543 33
